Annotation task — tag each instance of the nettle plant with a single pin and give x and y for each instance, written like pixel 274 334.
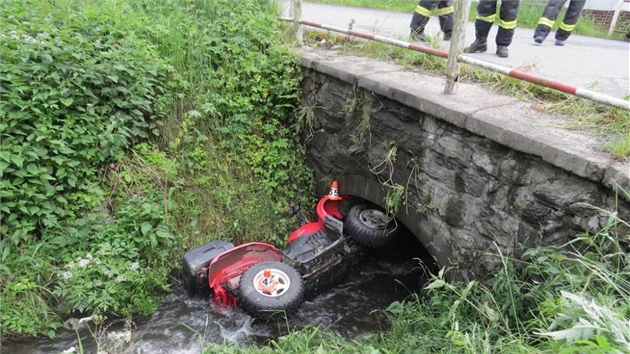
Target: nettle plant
pixel 121 267
pixel 77 91
pixel 72 100
pixel 91 283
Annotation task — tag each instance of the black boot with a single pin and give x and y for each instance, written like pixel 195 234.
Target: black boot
pixel 480 45
pixel 502 51
pixel 418 36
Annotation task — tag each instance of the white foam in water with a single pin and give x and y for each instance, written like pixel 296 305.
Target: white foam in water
pixel 156 348
pixel 240 334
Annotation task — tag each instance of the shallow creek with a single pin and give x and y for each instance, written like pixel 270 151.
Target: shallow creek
pixel 182 324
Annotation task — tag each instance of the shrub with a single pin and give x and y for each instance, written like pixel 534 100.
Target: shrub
pixel 76 93
pixel 73 98
pixel 119 266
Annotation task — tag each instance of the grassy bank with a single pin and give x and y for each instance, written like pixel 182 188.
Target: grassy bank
pixel 131 132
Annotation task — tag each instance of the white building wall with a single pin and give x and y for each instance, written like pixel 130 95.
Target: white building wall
pixel 606 5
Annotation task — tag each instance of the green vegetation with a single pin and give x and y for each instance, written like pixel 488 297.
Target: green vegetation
pixel 528 15
pixel 390 5
pixel 131 132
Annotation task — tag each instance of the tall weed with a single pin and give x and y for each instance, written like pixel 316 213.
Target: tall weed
pixel 566 299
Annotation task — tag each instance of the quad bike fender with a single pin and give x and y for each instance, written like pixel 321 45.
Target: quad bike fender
pixel 233 262
pixel 328 207
pixel 326 210
pixel 306 229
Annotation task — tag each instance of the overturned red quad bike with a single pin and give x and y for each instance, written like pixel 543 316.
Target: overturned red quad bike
pixel 268 282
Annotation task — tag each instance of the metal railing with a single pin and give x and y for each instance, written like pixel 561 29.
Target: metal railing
pixel 455 56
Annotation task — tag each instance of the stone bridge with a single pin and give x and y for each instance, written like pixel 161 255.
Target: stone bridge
pixel 472 175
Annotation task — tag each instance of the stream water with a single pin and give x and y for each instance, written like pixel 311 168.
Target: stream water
pixel 184 325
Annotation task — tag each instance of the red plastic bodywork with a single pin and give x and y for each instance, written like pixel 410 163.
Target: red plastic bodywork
pixel 232 263
pixel 325 207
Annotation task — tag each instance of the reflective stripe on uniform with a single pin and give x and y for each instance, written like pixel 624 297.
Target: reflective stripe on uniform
pixel 489 18
pixel 545 22
pixel 423 11
pixel 444 11
pixel 566 27
pixel 507 24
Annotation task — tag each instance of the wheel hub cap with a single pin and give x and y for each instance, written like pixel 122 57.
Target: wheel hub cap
pixel 372 218
pixel 271 282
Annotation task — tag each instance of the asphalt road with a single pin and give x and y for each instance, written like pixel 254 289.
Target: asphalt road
pixel 597 64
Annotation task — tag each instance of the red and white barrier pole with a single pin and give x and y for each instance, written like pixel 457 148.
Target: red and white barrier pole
pixel 416 47
pixel 535 79
pixel 542 81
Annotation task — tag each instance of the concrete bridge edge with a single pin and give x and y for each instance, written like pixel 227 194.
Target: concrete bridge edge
pixel 503 119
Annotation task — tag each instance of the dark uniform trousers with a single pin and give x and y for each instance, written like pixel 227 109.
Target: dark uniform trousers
pixel 424 10
pixel 486 15
pixel 568 22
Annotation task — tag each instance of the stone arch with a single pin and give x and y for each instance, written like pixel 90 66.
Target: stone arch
pixel 491 183
pixel 373 191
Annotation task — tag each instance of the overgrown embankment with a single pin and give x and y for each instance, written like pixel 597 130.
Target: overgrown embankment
pixel 131 131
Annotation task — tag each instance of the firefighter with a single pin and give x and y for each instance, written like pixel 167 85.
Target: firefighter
pixel 486 14
pixel 549 17
pixel 424 10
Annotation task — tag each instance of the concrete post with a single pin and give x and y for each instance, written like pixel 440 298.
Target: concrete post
pixel 462 10
pixel 617 7
pixel 297 16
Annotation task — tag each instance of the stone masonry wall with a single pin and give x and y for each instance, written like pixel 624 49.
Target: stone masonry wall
pixel 604 18
pixel 469 197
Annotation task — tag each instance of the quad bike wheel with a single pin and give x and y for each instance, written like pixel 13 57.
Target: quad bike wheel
pixel 269 290
pixel 370 226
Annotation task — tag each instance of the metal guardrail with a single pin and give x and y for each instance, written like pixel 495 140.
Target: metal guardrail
pixel 535 79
